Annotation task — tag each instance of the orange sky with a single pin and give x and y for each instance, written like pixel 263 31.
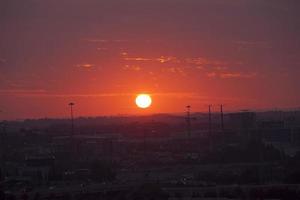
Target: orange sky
pixel 100 54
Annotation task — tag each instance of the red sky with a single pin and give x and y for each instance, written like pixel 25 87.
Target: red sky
pixel 100 54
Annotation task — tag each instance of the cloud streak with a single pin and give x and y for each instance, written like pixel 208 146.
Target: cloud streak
pixel 237 75
pixel 21 92
pixel 86 66
pixel 230 75
pixel 44 93
pixel 183 66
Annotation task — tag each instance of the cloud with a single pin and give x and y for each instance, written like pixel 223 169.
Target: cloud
pixel 200 61
pixel 161 59
pixel 104 40
pixel 237 75
pixel 97 40
pixel 22 92
pixel 86 65
pixel 102 49
pixel 43 93
pixel 124 53
pixel 230 75
pixel 213 68
pixel 138 59
pixel 132 67
pixel 197 62
pixel 211 74
pixel 164 59
pixel 183 66
pixel 253 44
pixel 176 70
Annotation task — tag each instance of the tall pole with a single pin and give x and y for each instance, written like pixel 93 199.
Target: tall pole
pixel 2 149
pixel 2 135
pixel 188 120
pixel 209 118
pixel 222 118
pixel 209 127
pixel 72 118
pixel 72 142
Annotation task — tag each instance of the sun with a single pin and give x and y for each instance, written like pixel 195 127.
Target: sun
pixel 143 100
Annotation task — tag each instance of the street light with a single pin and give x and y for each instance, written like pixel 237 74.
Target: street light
pixel 72 118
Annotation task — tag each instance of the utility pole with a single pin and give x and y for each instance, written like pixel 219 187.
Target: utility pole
pixel 209 119
pixel 72 145
pixel 72 118
pixel 209 127
pixel 222 118
pixel 2 148
pixel 188 121
pixel 2 136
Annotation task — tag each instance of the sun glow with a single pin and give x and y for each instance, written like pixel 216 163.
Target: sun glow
pixel 143 100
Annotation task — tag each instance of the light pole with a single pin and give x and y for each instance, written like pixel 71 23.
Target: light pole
pixel 210 127
pixel 2 148
pixel 72 118
pixel 188 120
pixel 222 117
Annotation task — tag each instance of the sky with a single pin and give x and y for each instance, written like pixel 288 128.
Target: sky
pixel 99 54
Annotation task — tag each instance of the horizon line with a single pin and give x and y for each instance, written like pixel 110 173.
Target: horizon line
pixel 296 109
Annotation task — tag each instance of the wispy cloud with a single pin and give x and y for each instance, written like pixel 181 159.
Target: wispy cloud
pixel 132 68
pixel 253 44
pixel 102 49
pixel 94 40
pixel 197 62
pixel 165 59
pixel 211 74
pixel 175 70
pixel 22 91
pixel 200 61
pixel 45 94
pixel 212 68
pixel 86 65
pixel 175 60
pixel 237 75
pixel 230 75
pixel 138 59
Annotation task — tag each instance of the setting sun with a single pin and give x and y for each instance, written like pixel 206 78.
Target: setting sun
pixel 143 100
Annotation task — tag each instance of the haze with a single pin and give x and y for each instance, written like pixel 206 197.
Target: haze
pixel 100 54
